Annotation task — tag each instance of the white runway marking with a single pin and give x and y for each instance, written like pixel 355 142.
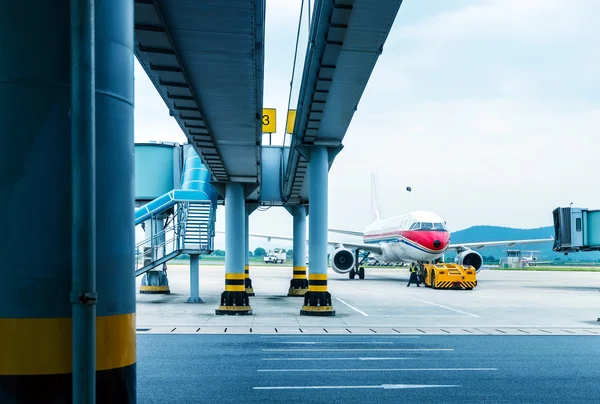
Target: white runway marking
pixel 449 308
pixel 335 359
pixel 383 370
pixel 353 349
pixel 352 307
pixel 383 386
pixel 324 342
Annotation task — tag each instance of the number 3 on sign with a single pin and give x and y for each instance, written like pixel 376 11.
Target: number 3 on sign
pixel 269 123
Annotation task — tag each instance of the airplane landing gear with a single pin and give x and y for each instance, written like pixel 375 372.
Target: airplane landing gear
pixel 358 268
pixel 360 272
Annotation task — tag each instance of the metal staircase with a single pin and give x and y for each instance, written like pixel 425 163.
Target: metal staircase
pixel 189 229
pixel 198 230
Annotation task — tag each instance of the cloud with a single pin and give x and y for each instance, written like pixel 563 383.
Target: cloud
pixel 522 21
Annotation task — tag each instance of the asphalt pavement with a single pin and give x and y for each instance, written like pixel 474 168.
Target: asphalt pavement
pixel 362 368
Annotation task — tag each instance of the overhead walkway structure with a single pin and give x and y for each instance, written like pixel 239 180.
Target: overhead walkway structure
pixel 346 39
pixel 206 59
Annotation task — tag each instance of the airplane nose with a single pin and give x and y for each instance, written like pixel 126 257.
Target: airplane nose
pixel 437 243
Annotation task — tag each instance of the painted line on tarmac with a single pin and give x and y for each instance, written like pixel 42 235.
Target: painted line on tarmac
pixel 336 359
pixel 355 349
pixel 352 307
pixel 326 342
pixel 383 386
pixel 449 308
pixel 383 370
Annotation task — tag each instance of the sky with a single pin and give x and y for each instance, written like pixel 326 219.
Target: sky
pixel 488 109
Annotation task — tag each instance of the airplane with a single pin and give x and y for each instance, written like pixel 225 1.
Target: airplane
pixel 418 237
pixel 532 261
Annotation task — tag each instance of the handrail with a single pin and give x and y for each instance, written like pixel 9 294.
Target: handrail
pixel 161 246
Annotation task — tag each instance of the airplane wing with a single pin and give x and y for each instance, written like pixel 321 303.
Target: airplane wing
pixel 348 232
pixel 374 248
pixel 459 247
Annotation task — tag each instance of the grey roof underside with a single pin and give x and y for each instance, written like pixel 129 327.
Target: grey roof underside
pixel 347 37
pixel 206 59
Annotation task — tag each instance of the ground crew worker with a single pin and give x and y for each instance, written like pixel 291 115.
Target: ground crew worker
pixel 413 276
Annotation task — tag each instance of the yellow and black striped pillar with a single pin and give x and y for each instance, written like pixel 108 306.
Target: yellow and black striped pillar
pixel 317 300
pixel 248 209
pixel 299 283
pixel 36 200
pixel 234 300
pixel 36 359
pixel 155 281
pixel 248 281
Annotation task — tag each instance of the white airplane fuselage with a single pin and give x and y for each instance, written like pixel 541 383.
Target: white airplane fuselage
pixel 417 236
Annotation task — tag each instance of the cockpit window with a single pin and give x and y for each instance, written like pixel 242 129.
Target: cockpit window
pixel 439 226
pixel 428 226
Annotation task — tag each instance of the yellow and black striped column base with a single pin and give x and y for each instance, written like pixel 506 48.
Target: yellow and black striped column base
pixel 248 282
pixel 36 360
pixel 155 290
pixel 317 300
pixel 234 301
pixel 299 283
pixel 298 287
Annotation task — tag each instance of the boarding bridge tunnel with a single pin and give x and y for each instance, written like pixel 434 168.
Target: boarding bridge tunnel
pixel 68 155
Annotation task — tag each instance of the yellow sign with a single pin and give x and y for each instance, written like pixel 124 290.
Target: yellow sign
pixel 291 118
pixel 269 120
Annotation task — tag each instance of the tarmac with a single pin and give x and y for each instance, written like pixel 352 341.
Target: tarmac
pixel 345 369
pixel 503 303
pixel 517 337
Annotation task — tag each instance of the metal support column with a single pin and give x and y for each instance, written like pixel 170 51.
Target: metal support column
pixel 250 207
pixel 45 344
pixel 317 300
pixel 234 300
pixel 299 283
pixel 248 284
pixel 155 281
pixel 194 280
pixel 83 213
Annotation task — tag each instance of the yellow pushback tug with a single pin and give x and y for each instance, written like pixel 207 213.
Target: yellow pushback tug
pixel 448 276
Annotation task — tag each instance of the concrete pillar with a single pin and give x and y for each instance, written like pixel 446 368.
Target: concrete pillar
pixel 317 300
pixel 155 281
pixel 194 280
pixel 248 281
pixel 299 283
pixel 234 300
pixel 36 323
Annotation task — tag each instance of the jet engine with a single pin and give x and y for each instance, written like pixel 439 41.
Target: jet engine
pixel 341 260
pixel 470 257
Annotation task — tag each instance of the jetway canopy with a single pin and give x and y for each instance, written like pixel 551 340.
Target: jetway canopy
pixel 347 37
pixel 206 59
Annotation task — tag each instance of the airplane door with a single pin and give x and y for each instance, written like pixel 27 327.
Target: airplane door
pixel 577 227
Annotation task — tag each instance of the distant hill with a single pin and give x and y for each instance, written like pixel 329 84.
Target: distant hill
pixel 498 233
